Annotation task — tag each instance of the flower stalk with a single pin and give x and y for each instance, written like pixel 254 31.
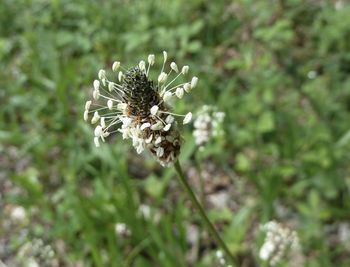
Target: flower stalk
pixel 202 213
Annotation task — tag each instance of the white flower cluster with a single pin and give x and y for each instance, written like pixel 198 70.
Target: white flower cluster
pixel 35 253
pixel 121 229
pixel 208 124
pixel 138 107
pixel 18 214
pixel 280 241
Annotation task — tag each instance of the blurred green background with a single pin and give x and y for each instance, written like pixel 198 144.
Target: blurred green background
pixel 278 69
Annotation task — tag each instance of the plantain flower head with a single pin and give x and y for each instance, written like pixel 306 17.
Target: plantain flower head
pixel 137 106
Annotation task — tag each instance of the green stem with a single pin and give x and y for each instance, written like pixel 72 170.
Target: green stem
pixel 201 180
pixel 202 213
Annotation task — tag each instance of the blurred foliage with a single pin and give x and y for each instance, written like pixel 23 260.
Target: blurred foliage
pixel 280 71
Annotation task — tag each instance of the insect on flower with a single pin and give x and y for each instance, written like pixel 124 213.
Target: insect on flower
pixel 138 107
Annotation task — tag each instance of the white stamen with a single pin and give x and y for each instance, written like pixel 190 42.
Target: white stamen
pixel 98 131
pixel 120 76
pixel 139 149
pixel 88 104
pixel 149 139
pixel 169 119
pixel 154 110
pixel 160 152
pixel 110 86
pixel 86 115
pixel 95 118
pixel 122 106
pixel 157 126
pixel 174 67
pixel 187 118
pixel 145 125
pixel 115 66
pixel 185 70
pixel 142 65
pixel 165 55
pixel 105 134
pixel 194 82
pixel 102 74
pixel 96 141
pixel 179 92
pixel 167 96
pixel 96 94
pixel 167 127
pixel 110 104
pixel 96 84
pixel 162 77
pixel 187 87
pixel 151 59
pixel 158 140
pixel 103 123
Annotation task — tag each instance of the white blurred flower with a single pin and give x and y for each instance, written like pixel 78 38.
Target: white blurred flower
pixel 280 243
pixel 312 74
pixel 145 211
pixel 35 253
pixel 18 214
pixel 121 229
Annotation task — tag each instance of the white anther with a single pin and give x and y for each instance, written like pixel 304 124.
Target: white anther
pixel 151 59
pixel 96 84
pixel 110 104
pixel 157 126
pixel 169 119
pixel 194 82
pixel 103 123
pixel 96 141
pixel 122 106
pixel 110 86
pixel 185 70
pixel 86 115
pixel 154 110
pixel 88 104
pixel 187 87
pixel 160 152
pixel 145 125
pixel 102 74
pixel 174 67
pixel 179 92
pixel 115 66
pixel 158 140
pixel 98 131
pixel 95 118
pixel 162 77
pixel 96 94
pixel 167 127
pixel 165 55
pixel 149 139
pixel 187 118
pixel 142 65
pixel 167 96
pixel 120 76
